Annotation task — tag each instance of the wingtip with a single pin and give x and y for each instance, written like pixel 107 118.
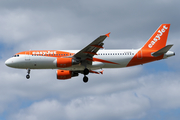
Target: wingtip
pixel 102 71
pixel 108 34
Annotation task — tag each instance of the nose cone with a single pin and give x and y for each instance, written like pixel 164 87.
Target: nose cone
pixel 9 63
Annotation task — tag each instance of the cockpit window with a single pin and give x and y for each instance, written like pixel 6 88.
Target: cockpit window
pixel 15 55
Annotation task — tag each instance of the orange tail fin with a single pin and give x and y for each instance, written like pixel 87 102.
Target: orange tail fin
pixel 158 39
pixel 156 45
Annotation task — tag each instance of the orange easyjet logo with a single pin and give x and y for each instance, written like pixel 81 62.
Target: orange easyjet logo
pixel 43 52
pixel 158 36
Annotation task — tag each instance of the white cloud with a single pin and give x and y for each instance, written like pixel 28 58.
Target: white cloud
pixel 41 110
pixel 162 89
pixel 121 105
pixel 153 92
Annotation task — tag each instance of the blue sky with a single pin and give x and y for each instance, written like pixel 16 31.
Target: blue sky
pixel 144 92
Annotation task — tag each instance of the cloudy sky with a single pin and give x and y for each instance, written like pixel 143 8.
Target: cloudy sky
pixel 150 91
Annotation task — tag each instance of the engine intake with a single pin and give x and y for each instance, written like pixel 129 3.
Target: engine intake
pixel 66 62
pixel 65 74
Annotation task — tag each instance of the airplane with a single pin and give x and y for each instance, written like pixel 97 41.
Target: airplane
pixel 71 63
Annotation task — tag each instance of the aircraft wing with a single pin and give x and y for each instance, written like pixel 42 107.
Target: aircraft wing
pixel 87 53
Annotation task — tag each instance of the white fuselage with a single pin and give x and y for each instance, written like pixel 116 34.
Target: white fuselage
pixel 119 58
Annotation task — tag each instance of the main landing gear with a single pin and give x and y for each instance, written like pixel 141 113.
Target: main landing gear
pixel 28 71
pixel 85 72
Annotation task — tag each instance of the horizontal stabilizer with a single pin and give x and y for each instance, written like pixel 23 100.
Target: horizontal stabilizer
pixel 162 51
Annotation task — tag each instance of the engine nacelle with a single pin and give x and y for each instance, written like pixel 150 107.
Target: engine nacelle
pixel 66 62
pixel 65 74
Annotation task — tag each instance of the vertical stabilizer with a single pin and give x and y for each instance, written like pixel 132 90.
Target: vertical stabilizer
pixel 154 48
pixel 158 39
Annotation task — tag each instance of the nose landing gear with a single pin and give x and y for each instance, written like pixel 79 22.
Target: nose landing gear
pixel 85 79
pixel 28 71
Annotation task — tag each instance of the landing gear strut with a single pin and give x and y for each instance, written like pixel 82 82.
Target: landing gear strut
pixel 28 71
pixel 85 72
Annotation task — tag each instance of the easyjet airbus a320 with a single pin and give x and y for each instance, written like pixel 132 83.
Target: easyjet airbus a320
pixel 71 63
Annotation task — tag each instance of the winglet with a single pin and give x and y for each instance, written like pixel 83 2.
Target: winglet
pixel 108 34
pixel 102 71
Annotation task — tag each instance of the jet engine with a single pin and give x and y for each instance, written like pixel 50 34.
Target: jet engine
pixel 65 74
pixel 66 62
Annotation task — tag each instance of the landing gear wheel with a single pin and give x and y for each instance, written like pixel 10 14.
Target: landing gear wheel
pixel 85 79
pixel 27 76
pixel 28 71
pixel 86 71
